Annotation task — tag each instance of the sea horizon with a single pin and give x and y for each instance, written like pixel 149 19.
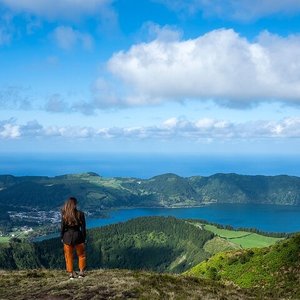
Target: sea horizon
pixel 146 165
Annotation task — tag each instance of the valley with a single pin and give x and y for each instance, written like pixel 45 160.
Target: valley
pixel 205 259
pixel 35 201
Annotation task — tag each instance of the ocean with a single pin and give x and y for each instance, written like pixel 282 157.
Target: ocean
pixel 146 165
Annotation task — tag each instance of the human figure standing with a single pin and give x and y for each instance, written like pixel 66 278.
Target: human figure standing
pixel 73 235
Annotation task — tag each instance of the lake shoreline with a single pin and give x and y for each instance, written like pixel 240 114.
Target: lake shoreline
pixel 260 217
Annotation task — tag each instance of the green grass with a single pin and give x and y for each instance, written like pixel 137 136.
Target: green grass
pixel 243 239
pixel 218 244
pixel 255 240
pixel 4 239
pixel 225 233
pixel 275 269
pixel 108 182
pixel 17 234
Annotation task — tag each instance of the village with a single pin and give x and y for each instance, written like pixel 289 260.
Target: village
pixel 35 216
pixel 29 224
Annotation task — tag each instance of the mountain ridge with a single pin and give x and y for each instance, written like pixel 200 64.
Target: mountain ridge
pixel 165 190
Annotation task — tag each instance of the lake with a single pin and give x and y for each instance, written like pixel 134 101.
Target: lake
pixel 270 218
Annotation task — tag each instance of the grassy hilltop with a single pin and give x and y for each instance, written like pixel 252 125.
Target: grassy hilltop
pixel 113 284
pixel 275 269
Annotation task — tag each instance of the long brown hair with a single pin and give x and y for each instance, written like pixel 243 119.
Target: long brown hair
pixel 70 213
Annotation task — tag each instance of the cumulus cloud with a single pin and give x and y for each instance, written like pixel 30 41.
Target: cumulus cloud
pixel 240 10
pixel 173 128
pixel 207 128
pixel 9 130
pixel 61 9
pixel 219 65
pixel 66 38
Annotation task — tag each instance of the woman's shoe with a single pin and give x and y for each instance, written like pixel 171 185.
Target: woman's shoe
pixel 72 276
pixel 81 274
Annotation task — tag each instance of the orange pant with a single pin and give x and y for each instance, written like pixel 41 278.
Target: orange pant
pixel 80 250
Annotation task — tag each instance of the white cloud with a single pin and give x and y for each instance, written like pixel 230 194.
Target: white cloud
pixel 9 130
pixel 66 38
pixel 172 129
pixel 220 65
pixel 69 132
pixel 70 9
pixel 240 10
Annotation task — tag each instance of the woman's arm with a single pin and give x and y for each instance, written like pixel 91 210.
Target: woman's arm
pixel 62 227
pixel 83 226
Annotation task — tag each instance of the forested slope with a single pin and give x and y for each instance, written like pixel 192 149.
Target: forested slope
pixel 168 190
pixel 152 243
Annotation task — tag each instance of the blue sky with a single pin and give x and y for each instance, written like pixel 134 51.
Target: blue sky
pixel 150 76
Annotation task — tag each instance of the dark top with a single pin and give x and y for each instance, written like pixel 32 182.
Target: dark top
pixel 73 235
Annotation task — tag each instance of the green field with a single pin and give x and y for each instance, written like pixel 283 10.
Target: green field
pixel 218 244
pixel 4 239
pixel 243 239
pixel 17 234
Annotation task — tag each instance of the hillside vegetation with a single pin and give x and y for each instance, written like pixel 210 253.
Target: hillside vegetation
pixel 275 269
pixel 168 190
pixel 163 244
pixel 152 243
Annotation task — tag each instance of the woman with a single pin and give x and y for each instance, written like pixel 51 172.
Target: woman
pixel 73 235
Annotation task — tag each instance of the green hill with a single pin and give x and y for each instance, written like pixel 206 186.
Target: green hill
pixel 151 243
pixel 274 270
pixel 168 190
pixel 234 188
pixel 163 244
